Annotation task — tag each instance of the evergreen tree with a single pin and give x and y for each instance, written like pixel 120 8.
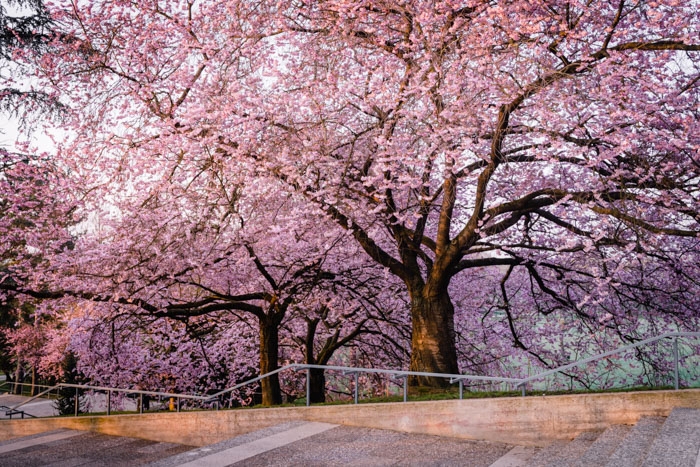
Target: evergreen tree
pixel 65 404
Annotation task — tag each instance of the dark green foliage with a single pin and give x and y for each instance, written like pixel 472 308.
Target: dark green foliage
pixel 65 404
pixel 7 321
pixel 25 25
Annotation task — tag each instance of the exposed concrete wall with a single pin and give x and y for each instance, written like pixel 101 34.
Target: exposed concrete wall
pixel 533 420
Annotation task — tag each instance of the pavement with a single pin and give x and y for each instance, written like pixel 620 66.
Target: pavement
pixel 672 441
pixel 289 444
pixel 355 446
pixel 69 448
pixel 298 443
pixel 36 408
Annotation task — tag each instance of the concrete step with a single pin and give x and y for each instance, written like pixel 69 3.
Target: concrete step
pixel 633 448
pixel 544 456
pixel 73 448
pixel 598 453
pixel 573 450
pixel 678 442
pixel 563 453
pixel 651 442
pixel 245 446
pixel 304 443
pixel 519 456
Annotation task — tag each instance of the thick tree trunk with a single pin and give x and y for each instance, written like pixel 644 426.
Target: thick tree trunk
pixel 317 375
pixel 433 346
pixel 269 353
pixel 318 385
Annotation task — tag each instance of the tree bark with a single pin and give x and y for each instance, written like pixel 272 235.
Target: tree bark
pixel 318 385
pixel 269 353
pixel 35 390
pixel 433 346
pixel 19 376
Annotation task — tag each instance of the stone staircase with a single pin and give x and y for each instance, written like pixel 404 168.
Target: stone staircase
pixel 652 442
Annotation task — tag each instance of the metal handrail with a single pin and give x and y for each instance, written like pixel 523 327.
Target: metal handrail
pixel 348 370
pixel 252 380
pixel 593 358
pixel 137 391
pixel 13 408
pixel 14 384
pixel 355 371
pixel 401 374
pixel 518 382
pixel 110 390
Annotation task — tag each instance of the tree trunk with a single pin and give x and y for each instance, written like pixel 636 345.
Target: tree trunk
pixel 433 345
pixel 318 385
pixel 19 377
pixel 317 375
pixel 35 390
pixel 269 353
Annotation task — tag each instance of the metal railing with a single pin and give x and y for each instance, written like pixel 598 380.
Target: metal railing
pixel 22 385
pixel 356 371
pixel 403 375
pixel 109 391
pixel 516 382
pixel 671 335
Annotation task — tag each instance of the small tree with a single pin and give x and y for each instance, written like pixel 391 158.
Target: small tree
pixel 65 404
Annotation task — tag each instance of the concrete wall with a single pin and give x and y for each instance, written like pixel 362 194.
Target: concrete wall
pixel 533 420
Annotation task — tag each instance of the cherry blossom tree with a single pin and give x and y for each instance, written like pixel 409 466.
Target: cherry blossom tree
pixel 210 259
pixel 554 138
pixel 121 350
pixel 355 311
pixel 495 135
pixel 33 227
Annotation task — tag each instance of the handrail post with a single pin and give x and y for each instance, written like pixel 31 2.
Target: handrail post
pixel 356 388
pixel 140 402
pixel 675 361
pixel 178 404
pixel 405 388
pixel 77 402
pixel 308 387
pixel 522 390
pixel 109 402
pixel 461 389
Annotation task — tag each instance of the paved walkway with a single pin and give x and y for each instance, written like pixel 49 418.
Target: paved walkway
pixel 69 448
pixel 321 444
pixel 37 408
pixel 290 444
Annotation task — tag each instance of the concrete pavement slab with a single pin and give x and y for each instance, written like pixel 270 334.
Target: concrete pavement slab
pixel 356 446
pixel 245 451
pixel 36 440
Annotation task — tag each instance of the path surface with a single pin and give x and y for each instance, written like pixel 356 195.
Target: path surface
pixel 322 444
pixel 37 408
pixel 68 448
pixel 289 444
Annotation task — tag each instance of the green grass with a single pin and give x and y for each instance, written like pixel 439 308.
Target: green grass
pixel 424 394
